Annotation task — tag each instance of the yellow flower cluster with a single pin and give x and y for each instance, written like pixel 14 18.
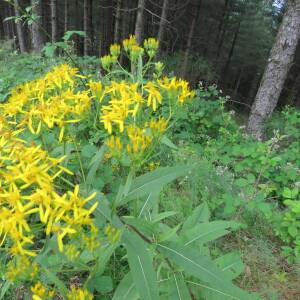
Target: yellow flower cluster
pixel 51 100
pixel 151 46
pixel 79 294
pixel 124 101
pixel 21 268
pixel 40 292
pixel 27 192
pixel 139 140
pixel 177 88
pixel 132 48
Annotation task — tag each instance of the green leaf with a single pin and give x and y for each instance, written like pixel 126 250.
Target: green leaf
pixel 200 214
pixel 4 288
pixel 56 281
pixel 141 267
pixel 178 289
pixel 69 34
pixel 154 181
pixel 206 232
pixel 166 141
pixel 230 264
pixel 201 267
pixel 101 284
pixel 149 203
pixel 94 165
pixel 126 289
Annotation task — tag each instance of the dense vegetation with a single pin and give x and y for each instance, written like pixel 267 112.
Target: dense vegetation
pixel 119 179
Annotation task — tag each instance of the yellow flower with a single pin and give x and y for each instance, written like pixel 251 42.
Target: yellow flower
pixel 151 46
pixel 158 126
pixel 154 95
pixel 115 50
pixel 115 146
pixel 138 140
pixel 79 294
pixel 108 61
pixel 129 43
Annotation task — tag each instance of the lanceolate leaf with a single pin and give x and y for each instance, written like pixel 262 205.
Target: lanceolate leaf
pixel 206 232
pixel 126 289
pixel 154 181
pixel 140 263
pixel 200 214
pixel 202 268
pixel 177 288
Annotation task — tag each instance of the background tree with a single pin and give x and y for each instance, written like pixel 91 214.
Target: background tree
pixel 20 28
pixel 276 72
pixel 37 27
pixel 140 21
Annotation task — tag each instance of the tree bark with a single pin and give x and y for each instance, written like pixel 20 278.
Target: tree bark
pixel 66 19
pixel 279 62
pixel 37 34
pixel 20 29
pixel 87 26
pixel 233 44
pixel 54 21
pixel 163 24
pixel 118 20
pixel 139 25
pixel 190 40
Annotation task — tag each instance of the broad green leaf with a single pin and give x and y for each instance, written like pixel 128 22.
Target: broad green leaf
pixel 126 289
pixel 206 232
pixel 56 281
pixel 101 284
pixel 230 264
pixel 202 268
pixel 149 202
pixel 177 288
pixel 154 181
pixel 94 165
pixel 104 256
pixel 163 215
pixel 140 263
pixel 166 141
pixel 143 225
pixel 200 214
pixel 70 33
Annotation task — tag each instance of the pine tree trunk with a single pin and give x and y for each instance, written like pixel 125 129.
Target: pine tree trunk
pixel 279 62
pixel 163 24
pixel 190 40
pixel 118 20
pixel 20 29
pixel 223 28
pixel 139 25
pixel 87 26
pixel 37 34
pixel 66 21
pixel 233 44
pixel 54 21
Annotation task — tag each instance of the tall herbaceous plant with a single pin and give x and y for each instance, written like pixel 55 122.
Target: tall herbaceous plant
pixel 60 229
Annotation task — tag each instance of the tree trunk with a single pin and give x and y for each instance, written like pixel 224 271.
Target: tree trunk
pixel 54 21
pixel 66 21
pixel 225 70
pixel 279 62
pixel 222 30
pixel 20 29
pixel 190 40
pixel 118 20
pixel 139 25
pixel 87 26
pixel 163 23
pixel 37 34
